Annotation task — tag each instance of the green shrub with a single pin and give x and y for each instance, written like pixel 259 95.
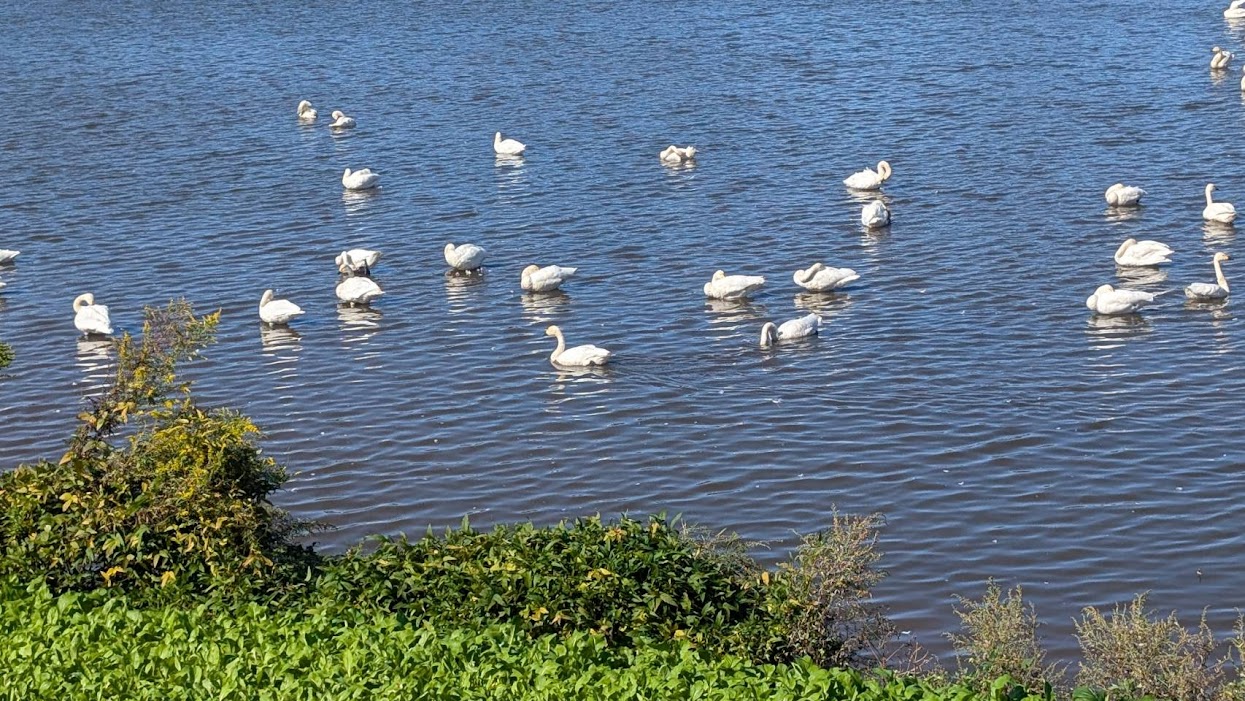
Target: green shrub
pixel 1000 638
pixel 6 355
pixel 181 502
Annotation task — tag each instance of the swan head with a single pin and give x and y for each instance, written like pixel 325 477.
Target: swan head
pixel 1117 186
pixel 338 114
pixel 769 334
pixel 1215 49
pixel 554 331
pixel 527 272
pixel 808 273
pixel 85 299
pixel 689 152
pixel 347 173
pixel 1221 256
pixel 718 276
pixel 1104 290
pixel 265 299
pixel 1210 187
pixel 884 170
pixel 497 138
pixel 304 106
pixel 449 249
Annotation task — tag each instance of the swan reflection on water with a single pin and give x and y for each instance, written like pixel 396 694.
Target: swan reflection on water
pixel 278 338
pixel 731 313
pixel 1139 277
pixel 542 307
pixel 95 359
pixel 826 304
pixel 358 323
pixel 1217 234
pixel 358 202
pixel 1123 214
pixel 1109 331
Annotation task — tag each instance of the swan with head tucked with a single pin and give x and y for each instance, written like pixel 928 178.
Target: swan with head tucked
pixel 341 121
pixel 356 261
pixel 465 257
pixel 507 147
pixel 1107 300
pixel 8 256
pixel 1222 212
pixel 1220 58
pixel 89 317
pixel 1206 291
pixel 537 279
pixel 579 356
pixel 676 154
pixel 1236 10
pixel 305 111
pixel 732 287
pixel 358 290
pixel 1121 195
pixel 1140 254
pixel 875 215
pixel 363 179
pixel 869 179
pixel 819 278
pixel 277 311
pixel 809 325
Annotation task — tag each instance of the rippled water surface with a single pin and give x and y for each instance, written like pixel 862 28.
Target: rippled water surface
pixel 961 386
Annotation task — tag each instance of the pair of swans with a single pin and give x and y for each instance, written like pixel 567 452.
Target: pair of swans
pixel 819 278
pixel 507 147
pixel 307 113
pixel 464 258
pixel 869 179
pixel 1236 10
pixel 1142 254
pixel 1222 212
pixel 357 261
pixel 363 179
pixel 534 278
pixel 676 154
pixel 1205 291
pixel 732 287
pixel 1109 301
pixel 579 356
pixel 1219 58
pixel 875 215
pixel 277 312
pixel 1121 195
pixel 803 327
pixel 89 317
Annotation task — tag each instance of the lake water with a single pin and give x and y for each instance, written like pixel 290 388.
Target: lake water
pixel 961 386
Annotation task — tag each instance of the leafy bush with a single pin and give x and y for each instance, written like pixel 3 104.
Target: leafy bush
pixel 180 503
pixel 1000 638
pixel 6 355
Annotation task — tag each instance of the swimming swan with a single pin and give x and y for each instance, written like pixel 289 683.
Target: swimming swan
pixel 363 179
pixel 868 179
pixel 579 356
pixel 466 257
pixel 1222 212
pixel 1121 195
pixel 90 317
pixel 1107 300
pixel 1139 254
pixel 732 287
pixel 356 261
pixel 277 311
pixel 305 112
pixel 1220 58
pixel 358 290
pixel 875 215
pixel 1236 10
pixel 537 279
pixel 803 327
pixel 341 121
pixel 507 147
pixel 1206 291
pixel 819 278
pixel 7 256
pixel 675 154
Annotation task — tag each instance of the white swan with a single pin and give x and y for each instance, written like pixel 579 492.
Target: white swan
pixel 465 257
pixel 358 290
pixel 1236 10
pixel 356 261
pixel 363 179
pixel 7 256
pixel 305 111
pixel 1121 195
pixel 341 121
pixel 1107 300
pixel 1219 59
pixel 1222 212
pixel 875 215
pixel 1206 290
pixel 1243 80
pixel 1139 254
pixel 277 311
pixel 537 279
pixel 90 317
pixel 802 327
pixel 676 154
pixel 731 287
pixel 869 179
pixel 579 356
pixel 819 278
pixel 507 147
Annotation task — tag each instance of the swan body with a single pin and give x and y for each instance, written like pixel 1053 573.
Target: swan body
pixel 1220 58
pixel 277 311
pixel 1139 254
pixel 537 279
pixel 869 179
pixel 341 121
pixel 358 290
pixel 1236 10
pixel 579 356
pixel 1222 212
pixel 875 215
pixel 356 261
pixel 507 147
pixel 363 179
pixel 1107 300
pixel 819 278
pixel 465 257
pixel 8 256
pixel 676 154
pixel 90 317
pixel 1208 291
pixel 305 111
pixel 1121 195
pixel 732 287
pixel 802 327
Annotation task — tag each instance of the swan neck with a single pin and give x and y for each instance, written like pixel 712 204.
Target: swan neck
pixel 1219 278
pixel 767 334
pixel 82 300
pixel 561 346
pixel 1209 201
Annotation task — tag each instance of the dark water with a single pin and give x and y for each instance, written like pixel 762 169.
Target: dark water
pixel 961 387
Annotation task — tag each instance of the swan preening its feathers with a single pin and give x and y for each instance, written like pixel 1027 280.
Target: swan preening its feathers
pixel 1107 300
pixel 89 317
pixel 356 261
pixel 1139 254
pixel 1206 291
pixel 1220 58
pixel 341 121
pixel 1121 195
pixel 676 154
pixel 466 257
pixel 732 287
pixel 802 327
pixel 819 278
pixel 363 179
pixel 579 356
pixel 8 256
pixel 305 112
pixel 277 311
pixel 537 279
pixel 358 290
pixel 1236 10
pixel 869 179
pixel 875 215
pixel 1222 212
pixel 507 147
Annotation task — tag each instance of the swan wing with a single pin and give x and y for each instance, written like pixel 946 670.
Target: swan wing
pixel 279 311
pixel 1145 253
pixel 584 355
pixel 866 179
pixel 550 277
pixel 1123 301
pixel 1205 290
pixel 807 325
pixel 93 318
